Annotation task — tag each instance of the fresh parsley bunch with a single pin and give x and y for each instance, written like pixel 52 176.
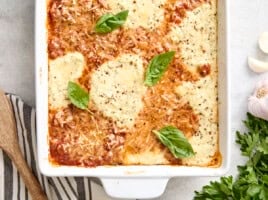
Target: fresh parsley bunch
pixel 252 181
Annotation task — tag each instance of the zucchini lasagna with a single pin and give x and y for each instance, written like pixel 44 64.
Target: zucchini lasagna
pixel 133 82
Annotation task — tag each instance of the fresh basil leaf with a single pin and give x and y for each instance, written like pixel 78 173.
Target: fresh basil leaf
pixel 157 67
pixel 78 96
pixel 109 22
pixel 175 141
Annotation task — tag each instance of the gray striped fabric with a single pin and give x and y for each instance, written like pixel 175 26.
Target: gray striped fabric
pixel 11 184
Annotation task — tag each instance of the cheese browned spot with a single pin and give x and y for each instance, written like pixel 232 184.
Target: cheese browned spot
pixel 202 96
pixel 147 14
pixel 117 89
pixel 196 36
pixel 62 70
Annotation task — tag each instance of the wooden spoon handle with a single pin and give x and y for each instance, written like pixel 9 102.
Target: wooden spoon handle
pixel 29 179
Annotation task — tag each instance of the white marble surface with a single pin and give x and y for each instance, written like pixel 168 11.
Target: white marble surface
pixel 248 19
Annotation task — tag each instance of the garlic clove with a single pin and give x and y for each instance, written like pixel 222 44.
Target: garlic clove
pixel 257 65
pixel 263 42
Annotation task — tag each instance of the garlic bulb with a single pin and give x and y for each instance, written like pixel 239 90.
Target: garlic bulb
pixel 258 102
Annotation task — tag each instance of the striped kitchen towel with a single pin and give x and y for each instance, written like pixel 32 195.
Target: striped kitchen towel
pixel 11 184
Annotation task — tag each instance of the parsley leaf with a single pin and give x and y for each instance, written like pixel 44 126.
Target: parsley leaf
pixel 247 142
pixel 216 190
pixel 252 180
pixel 175 141
pixel 109 22
pixel 78 96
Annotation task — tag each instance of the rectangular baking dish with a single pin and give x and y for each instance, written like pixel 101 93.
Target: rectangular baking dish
pixel 129 181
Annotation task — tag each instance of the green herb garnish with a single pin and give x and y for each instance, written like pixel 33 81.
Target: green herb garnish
pixel 175 141
pixel 157 66
pixel 252 180
pixel 78 96
pixel 109 22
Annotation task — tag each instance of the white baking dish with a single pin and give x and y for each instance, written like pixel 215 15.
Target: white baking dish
pixel 130 181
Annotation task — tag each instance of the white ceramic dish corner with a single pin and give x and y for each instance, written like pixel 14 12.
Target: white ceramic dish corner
pixel 130 181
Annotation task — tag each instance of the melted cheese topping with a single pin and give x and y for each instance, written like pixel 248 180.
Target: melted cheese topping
pixel 117 89
pixel 147 14
pixel 202 96
pixel 198 47
pixel 197 35
pixel 62 70
pixel 146 158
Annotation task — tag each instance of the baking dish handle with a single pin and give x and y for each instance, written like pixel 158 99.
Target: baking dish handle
pixel 134 188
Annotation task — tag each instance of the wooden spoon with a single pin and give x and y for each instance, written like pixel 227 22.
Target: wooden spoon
pixel 9 144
